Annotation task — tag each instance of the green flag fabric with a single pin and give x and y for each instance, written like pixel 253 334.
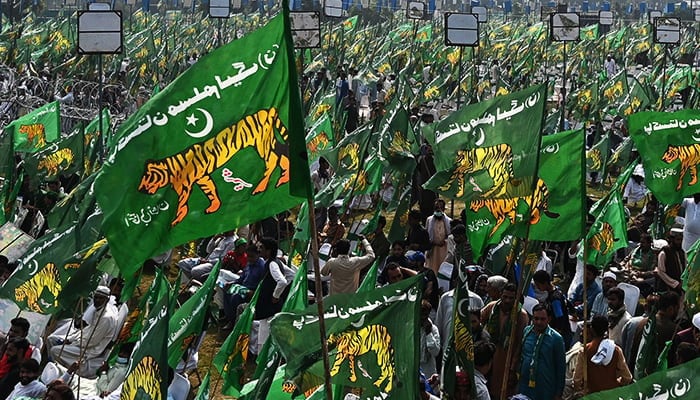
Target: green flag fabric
pixel 320 137
pixel 34 130
pixel 669 146
pixel 459 351
pixel 231 359
pixel 147 376
pixel 647 356
pixel 597 156
pixel 8 175
pixel 681 382
pixel 64 156
pixel 46 267
pixel 608 233
pixel 369 283
pixel 566 186
pixel 220 147
pixel 204 391
pixel 85 276
pixel 93 137
pixel 478 154
pixel 187 323
pixel 372 339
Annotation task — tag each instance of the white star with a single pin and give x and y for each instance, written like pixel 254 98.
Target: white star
pixel 192 120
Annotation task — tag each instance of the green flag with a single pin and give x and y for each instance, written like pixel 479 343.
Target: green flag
pixel 231 359
pixel 350 23
pixel 459 351
pixel 220 147
pixel 566 185
pixel 597 156
pixel 424 34
pixel 8 175
pixel 369 283
pixel 204 391
pixel 399 225
pixel 137 317
pixel 64 156
pixel 589 32
pixel 647 356
pixel 691 279
pixel 45 268
pixel 662 362
pixel 93 140
pixel 320 137
pixel 76 207
pixel 608 233
pixel 372 341
pixel 147 378
pixel 187 322
pixel 613 92
pixel 681 382
pixel 37 128
pixel 478 154
pixel 85 277
pixel 669 149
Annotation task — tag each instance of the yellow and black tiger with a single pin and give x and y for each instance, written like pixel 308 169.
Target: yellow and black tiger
pixel 464 342
pixel 145 378
pixel 596 159
pixel 357 180
pixel 34 131
pixel 319 142
pixel 46 279
pixel 690 158
pixel 371 338
pixel 502 208
pixel 194 165
pixel 603 240
pixel 351 150
pixel 496 160
pixel 241 348
pixel 54 161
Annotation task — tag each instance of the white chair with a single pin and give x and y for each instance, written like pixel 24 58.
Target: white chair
pixel 179 388
pixel 50 373
pixel 36 351
pixel 631 296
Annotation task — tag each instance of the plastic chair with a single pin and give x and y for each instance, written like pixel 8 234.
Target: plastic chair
pixel 50 373
pixel 179 388
pixel 631 296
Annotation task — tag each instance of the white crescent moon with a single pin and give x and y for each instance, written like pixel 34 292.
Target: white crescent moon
pixel 207 128
pixel 36 268
pixel 697 139
pixel 459 307
pixel 482 138
pixel 359 323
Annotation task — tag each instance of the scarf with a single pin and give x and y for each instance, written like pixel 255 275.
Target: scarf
pixel 614 316
pixel 494 327
pixel 534 362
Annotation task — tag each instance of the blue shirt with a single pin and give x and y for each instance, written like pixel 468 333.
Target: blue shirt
pixel 551 365
pixel 253 273
pixel 592 291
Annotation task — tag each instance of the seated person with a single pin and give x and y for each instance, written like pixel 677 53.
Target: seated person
pixel 29 385
pixel 15 351
pixel 19 328
pixel 87 339
pixel 641 263
pixel 198 268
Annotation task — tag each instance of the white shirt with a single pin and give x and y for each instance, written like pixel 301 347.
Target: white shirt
pixel 443 319
pixel 34 389
pixel 691 229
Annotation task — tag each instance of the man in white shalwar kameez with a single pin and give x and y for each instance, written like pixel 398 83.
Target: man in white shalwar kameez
pixel 88 342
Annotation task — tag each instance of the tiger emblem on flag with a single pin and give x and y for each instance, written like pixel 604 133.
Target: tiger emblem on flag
pixel 318 143
pixel 369 339
pixel 34 131
pixel 496 160
pixel 145 378
pixel 502 208
pixel 195 164
pixel 689 155
pixel 351 150
pixel 54 161
pixel 46 279
pixel 594 159
pixel 603 241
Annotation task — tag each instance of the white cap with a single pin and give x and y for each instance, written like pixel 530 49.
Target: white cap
pixel 696 320
pixel 102 290
pixel 610 275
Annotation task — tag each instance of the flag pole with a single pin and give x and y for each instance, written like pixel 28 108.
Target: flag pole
pixel 319 298
pixel 585 312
